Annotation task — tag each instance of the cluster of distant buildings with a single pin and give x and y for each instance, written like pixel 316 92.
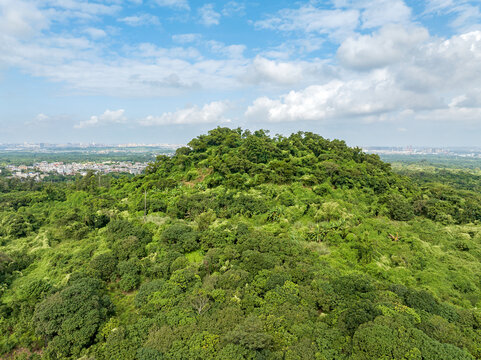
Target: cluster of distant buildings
pixel 39 171
pixel 410 150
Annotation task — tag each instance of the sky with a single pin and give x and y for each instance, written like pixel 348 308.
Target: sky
pixel 370 72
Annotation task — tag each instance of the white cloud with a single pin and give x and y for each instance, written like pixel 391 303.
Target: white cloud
pixel 340 21
pixel 95 33
pixel 108 117
pixel 62 10
pixel 232 8
pixel 468 18
pixel 466 14
pixel 142 70
pixel 41 117
pixel 369 97
pixel 180 4
pixel 208 16
pixel 437 80
pixel 438 5
pixel 295 106
pixel 295 47
pixel 186 38
pixel 376 13
pixel 444 65
pixel 213 112
pixel 148 50
pixel 20 18
pixel 283 73
pixel 413 62
pixel 391 44
pixel 336 23
pixel 471 99
pixel 140 20
pixel 450 114
pixel 40 120
pixel 381 12
pixel 230 51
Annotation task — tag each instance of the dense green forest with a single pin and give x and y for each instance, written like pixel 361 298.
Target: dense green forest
pixel 423 173
pixel 444 161
pixel 244 246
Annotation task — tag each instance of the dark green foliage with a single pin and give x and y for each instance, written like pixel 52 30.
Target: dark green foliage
pixel 149 354
pixel 12 263
pixel 352 285
pixel 250 335
pixel 146 290
pixel 5 262
pixel 127 240
pixel 390 340
pixel 421 300
pixel 129 271
pixel 69 319
pixel 120 228
pixel 54 193
pixel 104 266
pixel 273 159
pixel 181 235
pixel 96 221
pixel 157 295
pixel 399 208
pixel 357 314
pixel 188 207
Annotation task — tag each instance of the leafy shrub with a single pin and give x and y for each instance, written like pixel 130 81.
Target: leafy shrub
pixel 182 235
pixel 399 208
pixel 69 319
pixel 129 271
pixel 104 266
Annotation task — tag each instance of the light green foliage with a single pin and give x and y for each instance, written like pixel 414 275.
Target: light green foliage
pixel 195 257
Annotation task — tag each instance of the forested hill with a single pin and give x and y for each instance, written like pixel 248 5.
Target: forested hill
pixel 252 247
pixel 244 160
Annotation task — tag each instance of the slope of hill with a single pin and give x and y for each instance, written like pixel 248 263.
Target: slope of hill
pixel 253 247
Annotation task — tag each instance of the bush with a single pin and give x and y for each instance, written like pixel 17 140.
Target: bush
pixel 400 209
pixel 103 266
pixel 358 313
pixel 129 272
pixel 69 319
pixel 182 235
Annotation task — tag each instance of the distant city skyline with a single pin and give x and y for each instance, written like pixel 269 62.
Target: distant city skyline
pixel 370 72
pixel 115 147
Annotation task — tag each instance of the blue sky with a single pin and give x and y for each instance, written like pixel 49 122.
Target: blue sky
pixel 371 72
